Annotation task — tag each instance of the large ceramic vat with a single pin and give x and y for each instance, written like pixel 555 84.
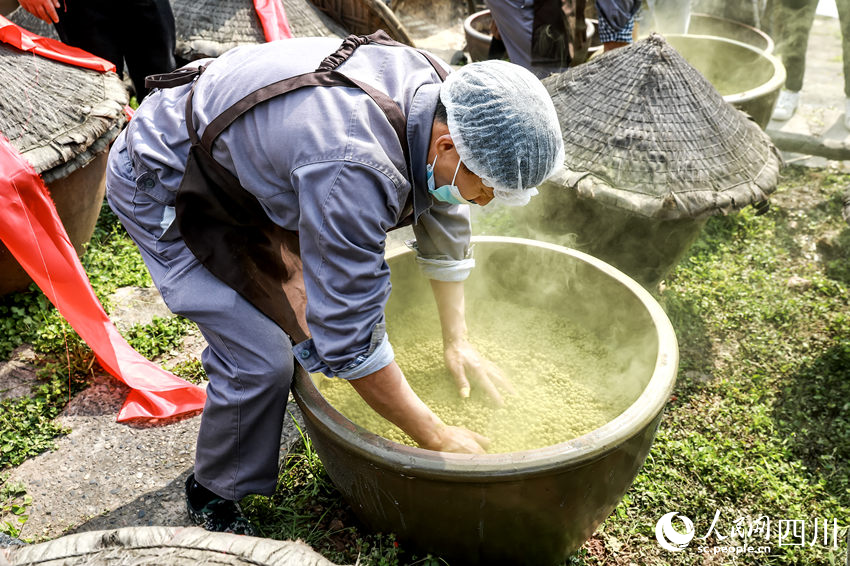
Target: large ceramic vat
pixel 530 507
pixel 705 24
pixel 476 29
pixel 748 78
pixel 647 249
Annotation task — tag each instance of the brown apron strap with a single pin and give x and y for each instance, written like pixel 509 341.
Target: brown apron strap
pixel 174 78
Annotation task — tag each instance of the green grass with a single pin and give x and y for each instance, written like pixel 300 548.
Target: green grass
pixel 65 363
pixel 759 423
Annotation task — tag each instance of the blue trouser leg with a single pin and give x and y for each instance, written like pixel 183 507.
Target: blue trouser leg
pixel 248 359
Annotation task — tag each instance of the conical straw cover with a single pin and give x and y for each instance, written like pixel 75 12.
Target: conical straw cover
pixel 208 28
pixel 646 133
pixel 24 19
pixel 58 116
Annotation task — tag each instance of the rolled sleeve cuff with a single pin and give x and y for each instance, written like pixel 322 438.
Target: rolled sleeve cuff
pixel 445 269
pixel 366 364
pixel 379 356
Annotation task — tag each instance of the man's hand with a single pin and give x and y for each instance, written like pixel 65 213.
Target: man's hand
pixel 388 392
pixel 467 365
pixel 45 10
pixel 462 359
pixel 459 439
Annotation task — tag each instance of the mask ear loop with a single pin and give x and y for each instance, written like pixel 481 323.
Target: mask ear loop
pixel 456 170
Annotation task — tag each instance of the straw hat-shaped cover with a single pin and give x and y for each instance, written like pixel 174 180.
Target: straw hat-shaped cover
pixel 154 546
pixel 646 133
pixel 208 28
pixel 58 116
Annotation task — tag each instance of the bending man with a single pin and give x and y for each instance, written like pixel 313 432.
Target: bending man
pixel 264 221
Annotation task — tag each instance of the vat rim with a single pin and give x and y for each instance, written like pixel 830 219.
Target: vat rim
pixel 776 81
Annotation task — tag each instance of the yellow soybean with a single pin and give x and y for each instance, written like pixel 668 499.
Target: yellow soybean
pixel 567 382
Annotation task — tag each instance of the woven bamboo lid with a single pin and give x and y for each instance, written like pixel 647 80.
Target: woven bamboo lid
pixel 58 116
pixel 154 546
pixel 645 132
pixel 29 22
pixel 208 28
pixel 362 17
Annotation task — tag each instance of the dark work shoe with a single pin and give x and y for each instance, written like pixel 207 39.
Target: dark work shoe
pixel 218 515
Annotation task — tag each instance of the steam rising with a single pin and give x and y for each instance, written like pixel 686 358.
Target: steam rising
pixel 644 249
pixel 578 347
pixel 647 163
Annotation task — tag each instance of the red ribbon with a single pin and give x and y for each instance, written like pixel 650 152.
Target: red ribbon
pixel 50 48
pixel 31 229
pixel 273 19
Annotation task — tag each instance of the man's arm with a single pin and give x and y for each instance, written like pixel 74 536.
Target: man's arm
pixel 461 357
pixel 389 394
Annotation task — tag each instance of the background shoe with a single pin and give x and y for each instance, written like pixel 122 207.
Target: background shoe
pixel 786 105
pixel 218 515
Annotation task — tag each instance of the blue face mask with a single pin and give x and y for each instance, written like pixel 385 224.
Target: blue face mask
pixel 446 193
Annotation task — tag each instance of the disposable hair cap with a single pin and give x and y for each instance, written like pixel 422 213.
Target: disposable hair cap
pixel 504 126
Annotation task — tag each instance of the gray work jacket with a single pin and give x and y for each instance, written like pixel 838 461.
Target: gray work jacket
pixel 325 163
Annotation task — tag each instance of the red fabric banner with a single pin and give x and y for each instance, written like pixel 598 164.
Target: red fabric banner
pixel 50 48
pixel 32 231
pixel 273 19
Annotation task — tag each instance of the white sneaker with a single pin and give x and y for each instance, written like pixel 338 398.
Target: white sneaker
pixel 786 105
pixel 847 113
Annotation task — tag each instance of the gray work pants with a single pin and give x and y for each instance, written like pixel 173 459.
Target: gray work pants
pixel 791 23
pixel 248 360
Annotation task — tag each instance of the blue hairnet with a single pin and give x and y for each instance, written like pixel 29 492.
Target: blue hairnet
pixel 504 126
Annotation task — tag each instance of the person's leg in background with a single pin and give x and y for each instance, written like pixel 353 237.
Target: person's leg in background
pixel 514 20
pixel 149 43
pixel 90 25
pixel 793 21
pixel 843 7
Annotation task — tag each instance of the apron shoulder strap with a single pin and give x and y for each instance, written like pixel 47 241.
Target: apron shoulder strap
pixel 317 78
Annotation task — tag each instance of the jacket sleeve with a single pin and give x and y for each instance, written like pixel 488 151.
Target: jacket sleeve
pixel 345 210
pixel 442 245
